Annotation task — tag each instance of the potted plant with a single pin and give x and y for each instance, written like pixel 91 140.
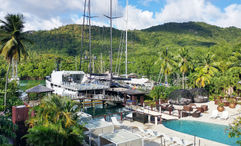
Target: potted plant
pixel 232 103
pixel 220 107
pixel 217 100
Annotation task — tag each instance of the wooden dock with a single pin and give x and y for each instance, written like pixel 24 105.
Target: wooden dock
pixel 149 112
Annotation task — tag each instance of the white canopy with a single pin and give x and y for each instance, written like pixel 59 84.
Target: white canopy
pixel 98 127
pixel 123 137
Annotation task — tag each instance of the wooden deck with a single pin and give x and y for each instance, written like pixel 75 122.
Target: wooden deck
pixel 152 113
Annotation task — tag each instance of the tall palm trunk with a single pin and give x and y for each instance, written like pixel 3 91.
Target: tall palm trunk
pixel 6 86
pixel 183 80
pixel 166 79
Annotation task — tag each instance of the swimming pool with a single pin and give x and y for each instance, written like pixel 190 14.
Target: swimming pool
pixel 209 131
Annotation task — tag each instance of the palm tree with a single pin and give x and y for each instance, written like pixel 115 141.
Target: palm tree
pixel 55 123
pixel 184 63
pixel 12 41
pixel 206 71
pixel 167 63
pixel 158 92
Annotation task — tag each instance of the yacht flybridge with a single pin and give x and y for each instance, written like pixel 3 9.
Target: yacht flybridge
pixel 73 83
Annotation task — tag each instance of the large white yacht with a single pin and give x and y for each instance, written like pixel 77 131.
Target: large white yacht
pixel 74 84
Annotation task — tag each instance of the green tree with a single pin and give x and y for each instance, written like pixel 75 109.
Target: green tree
pixel 7 130
pixel 206 71
pixel 184 63
pixel 234 129
pixel 55 123
pixel 167 63
pixel 158 92
pixel 12 42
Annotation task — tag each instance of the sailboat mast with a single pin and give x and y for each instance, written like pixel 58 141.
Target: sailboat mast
pixel 89 37
pixel 126 34
pixel 110 41
pixel 82 36
pixel 101 64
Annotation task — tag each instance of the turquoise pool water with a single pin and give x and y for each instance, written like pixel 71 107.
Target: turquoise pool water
pixel 209 131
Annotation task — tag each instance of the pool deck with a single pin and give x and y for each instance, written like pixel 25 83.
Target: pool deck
pixel 205 117
pixel 171 133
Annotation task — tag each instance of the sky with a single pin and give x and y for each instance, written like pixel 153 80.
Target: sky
pixel 50 14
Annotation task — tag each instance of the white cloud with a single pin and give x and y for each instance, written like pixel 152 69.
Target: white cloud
pixel 231 16
pixel 38 24
pixel 183 11
pixel 186 10
pixel 79 20
pixel 48 14
pixel 137 19
pixel 147 2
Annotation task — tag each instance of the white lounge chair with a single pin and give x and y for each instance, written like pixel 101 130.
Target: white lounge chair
pixel 187 142
pixel 182 142
pixel 177 140
pixel 154 133
pixel 115 122
pixel 168 140
pixel 145 134
pixel 224 115
pixel 102 119
pixel 214 114
pixel 142 130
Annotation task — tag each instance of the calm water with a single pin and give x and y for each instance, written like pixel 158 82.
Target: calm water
pixel 98 111
pixel 26 84
pixel 209 131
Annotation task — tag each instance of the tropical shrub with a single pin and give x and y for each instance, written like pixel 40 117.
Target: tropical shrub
pixel 7 130
pixel 158 92
pixel 235 130
pixel 12 97
pixel 55 123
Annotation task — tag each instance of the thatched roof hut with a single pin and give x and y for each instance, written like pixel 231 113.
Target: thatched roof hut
pixel 39 89
pixel 181 97
pixel 200 95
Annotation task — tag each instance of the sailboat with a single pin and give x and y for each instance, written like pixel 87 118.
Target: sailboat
pixel 75 84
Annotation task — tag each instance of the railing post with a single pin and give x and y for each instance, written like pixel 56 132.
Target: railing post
pixel 121 116
pixel 194 140
pixel 105 117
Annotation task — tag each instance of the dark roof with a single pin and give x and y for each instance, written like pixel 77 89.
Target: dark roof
pixel 39 89
pixel 199 91
pixel 134 92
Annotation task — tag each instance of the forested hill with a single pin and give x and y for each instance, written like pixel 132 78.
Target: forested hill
pixel 67 39
pixel 144 48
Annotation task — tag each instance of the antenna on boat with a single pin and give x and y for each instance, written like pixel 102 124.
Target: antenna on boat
pixel 110 17
pixel 126 34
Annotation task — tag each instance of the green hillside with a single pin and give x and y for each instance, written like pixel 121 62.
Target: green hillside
pixel 144 47
pixel 67 39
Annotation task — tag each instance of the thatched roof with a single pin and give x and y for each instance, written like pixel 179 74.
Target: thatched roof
pixel 134 92
pixel 39 89
pixel 200 95
pixel 199 91
pixel 181 97
pixel 181 93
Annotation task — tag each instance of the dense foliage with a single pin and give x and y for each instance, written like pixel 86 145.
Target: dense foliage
pixel 12 43
pixel 55 123
pixel 6 131
pixel 12 97
pixel 235 129
pixel 193 54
